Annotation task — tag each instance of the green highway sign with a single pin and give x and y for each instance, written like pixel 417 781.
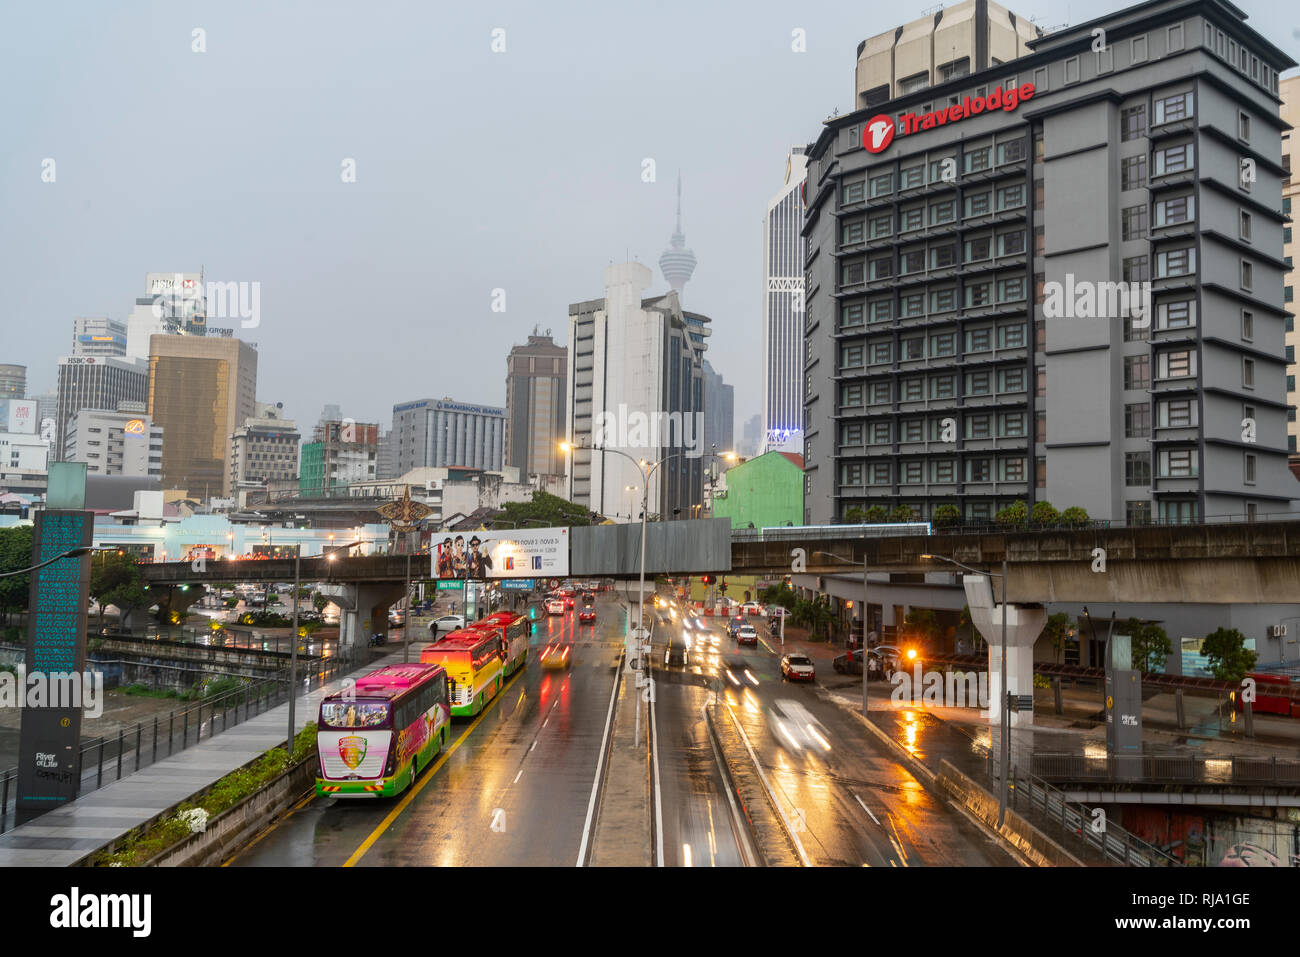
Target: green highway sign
pixel 451 584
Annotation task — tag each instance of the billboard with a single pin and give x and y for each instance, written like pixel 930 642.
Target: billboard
pixel 19 415
pixel 508 553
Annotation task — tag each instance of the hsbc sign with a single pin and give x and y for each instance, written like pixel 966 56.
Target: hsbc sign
pixel 881 129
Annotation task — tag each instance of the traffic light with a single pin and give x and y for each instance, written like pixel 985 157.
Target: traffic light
pixel 706 579
pixel 722 586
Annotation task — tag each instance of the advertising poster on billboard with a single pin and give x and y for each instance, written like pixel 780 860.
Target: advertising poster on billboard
pixel 508 553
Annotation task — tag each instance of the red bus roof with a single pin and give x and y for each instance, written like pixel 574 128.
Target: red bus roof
pixel 504 617
pixel 463 639
pixel 391 681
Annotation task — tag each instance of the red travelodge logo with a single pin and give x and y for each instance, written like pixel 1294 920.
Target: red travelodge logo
pixel 880 130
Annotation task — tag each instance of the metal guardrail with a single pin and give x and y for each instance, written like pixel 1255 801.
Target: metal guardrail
pixel 829 532
pixel 151 741
pixel 1168 769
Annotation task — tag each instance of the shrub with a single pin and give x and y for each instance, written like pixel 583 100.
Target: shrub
pixel 1075 516
pixel 876 514
pixel 1044 513
pixel 902 513
pixel 1017 513
pixel 946 516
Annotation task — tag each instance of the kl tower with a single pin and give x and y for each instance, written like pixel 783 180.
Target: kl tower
pixel 677 263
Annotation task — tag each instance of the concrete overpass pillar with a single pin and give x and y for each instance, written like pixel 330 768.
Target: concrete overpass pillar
pixel 1024 625
pixel 363 610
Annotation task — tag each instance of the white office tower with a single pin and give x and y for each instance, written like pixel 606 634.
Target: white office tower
pixel 783 311
pixel 174 305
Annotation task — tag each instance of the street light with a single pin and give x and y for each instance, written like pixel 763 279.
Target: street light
pixel 293 646
pixel 866 611
pixel 70 553
pixel 1004 716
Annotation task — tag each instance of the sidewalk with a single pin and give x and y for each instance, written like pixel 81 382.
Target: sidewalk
pixel 63 836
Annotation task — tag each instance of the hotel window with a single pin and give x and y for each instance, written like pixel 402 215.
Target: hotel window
pixel 1243 127
pixel 1134 222
pixel 978 249
pixel 1137 420
pixel 978 204
pixel 1040 242
pixel 943 386
pixel 913 473
pixel 1247 276
pixel 1137 372
pixel 1178 513
pixel 911 430
pixel 913 83
pixel 1173 108
pixel 1039 195
pixel 943 300
pixel 1011 424
pixel 852 314
pixel 1250 469
pixel 911 348
pixel 1011 197
pixel 1040 382
pixel 882 310
pixel 1177 365
pixel 850 357
pixel 882 185
pixel 882 353
pixel 979 340
pixel 880 473
pixel 1176 315
pixel 1177 463
pixel 1135 331
pixel 1248 374
pixel 1136 269
pixel 943 344
pixel 979 294
pixel 1072 70
pixel 1137 513
pixel 1176 414
pixel 1011 380
pixel 851 273
pixel 912 177
pixel 939 166
pixel 913 389
pixel 880 433
pixel 911 306
pixel 1175 262
pixel 910 219
pixel 943 257
pixel 851 233
pixel 1040 149
pixel 1137 468
pixel 1175 41
pixel 912 261
pixel 1174 159
pixel 1172 212
pixel 851 473
pixel 1011 152
pixel 1011 470
pixel 882 226
pixel 955 69
pixel 978 470
pixel 944 212
pixel 1011 244
pixel 1011 289
pixel 851 394
pixel 881 268
pixel 1011 336
pixel 1133 172
pixel 1140 49
pixel 976 160
pixel 1133 122
pixel 851 433
pixel 880 394
pixel 979 383
pixel 1243 225
pixel 852 192
pixel 943 471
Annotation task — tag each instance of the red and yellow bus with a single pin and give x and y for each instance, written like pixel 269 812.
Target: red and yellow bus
pixel 374 738
pixel 474 661
pixel 514 632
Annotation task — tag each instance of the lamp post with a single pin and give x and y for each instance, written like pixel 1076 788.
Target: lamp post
pixel 866 610
pixel 1004 717
pixel 293 645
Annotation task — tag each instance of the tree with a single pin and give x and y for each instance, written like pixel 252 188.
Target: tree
pixel 781 594
pixel 876 514
pixel 543 511
pixel 15 553
pixel 922 623
pixel 964 621
pixel 1017 513
pixel 1044 513
pixel 320 601
pixel 1075 516
pixel 115 579
pixel 902 513
pixel 1149 642
pixel 946 516
pixel 1057 629
pixel 1228 656
pixel 855 515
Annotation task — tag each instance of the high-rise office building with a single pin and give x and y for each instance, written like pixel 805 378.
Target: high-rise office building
pixel 751 437
pixel 443 433
pixel 95 382
pixel 719 412
pixel 536 393
pixel 123 441
pixel 174 305
pixel 677 263
pixel 1290 92
pixel 636 383
pixel 201 390
pixel 385 463
pixel 1057 279
pixel 24 455
pixel 341 453
pixel 947 44
pixel 13 382
pixel 783 310
pixel 98 337
pixel 264 449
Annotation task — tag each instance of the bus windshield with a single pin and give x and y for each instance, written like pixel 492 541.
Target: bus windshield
pixel 353 714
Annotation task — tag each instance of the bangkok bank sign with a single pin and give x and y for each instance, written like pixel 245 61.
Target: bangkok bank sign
pixel 880 131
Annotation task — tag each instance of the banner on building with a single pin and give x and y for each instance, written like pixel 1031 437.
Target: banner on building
pixel 509 553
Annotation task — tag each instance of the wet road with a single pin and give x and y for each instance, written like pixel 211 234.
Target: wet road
pixel 849 803
pixel 512 789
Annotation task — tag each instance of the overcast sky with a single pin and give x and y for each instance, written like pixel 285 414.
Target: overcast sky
pixel 476 170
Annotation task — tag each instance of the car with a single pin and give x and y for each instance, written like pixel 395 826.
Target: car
pixel 587 615
pixel 746 635
pixel 751 608
pixel 556 656
pixel 738 673
pixel 894 657
pixel 797 667
pixel 677 653
pixel 794 726
pixel 850 663
pixel 446 623
pixel 733 626
pixel 396 618
pixel 568 601
pixel 555 606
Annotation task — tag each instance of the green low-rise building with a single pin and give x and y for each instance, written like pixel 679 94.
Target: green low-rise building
pixel 763 491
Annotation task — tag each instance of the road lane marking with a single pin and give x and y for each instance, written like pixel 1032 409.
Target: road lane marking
pixel 600 765
pixel 868 810
pixel 420 785
pixel 686 855
pixel 898 844
pixel 518 776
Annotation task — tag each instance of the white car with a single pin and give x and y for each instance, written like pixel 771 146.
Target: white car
pixel 446 623
pixel 797 667
pixel 751 608
pixel 555 606
pixel 795 727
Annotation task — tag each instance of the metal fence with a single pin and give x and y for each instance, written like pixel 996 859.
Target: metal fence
pixel 106 759
pixel 1168 769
